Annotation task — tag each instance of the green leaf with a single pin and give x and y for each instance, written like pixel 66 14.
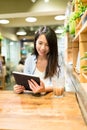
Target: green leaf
pixel 84 58
pixel 84 67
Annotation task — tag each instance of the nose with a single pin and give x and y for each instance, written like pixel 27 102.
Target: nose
pixel 43 47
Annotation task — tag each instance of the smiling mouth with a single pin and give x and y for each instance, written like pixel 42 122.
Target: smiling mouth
pixel 42 52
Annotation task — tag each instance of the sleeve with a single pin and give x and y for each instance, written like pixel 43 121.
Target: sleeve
pixel 27 65
pixel 30 64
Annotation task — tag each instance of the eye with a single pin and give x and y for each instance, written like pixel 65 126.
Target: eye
pixel 40 42
pixel 47 44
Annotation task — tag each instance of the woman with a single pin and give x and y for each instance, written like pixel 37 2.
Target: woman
pixel 43 62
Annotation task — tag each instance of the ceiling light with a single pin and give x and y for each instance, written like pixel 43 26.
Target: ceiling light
pixel 4 21
pixel 21 32
pixel 58 31
pixel 31 19
pixel 46 1
pixel 33 1
pixel 60 17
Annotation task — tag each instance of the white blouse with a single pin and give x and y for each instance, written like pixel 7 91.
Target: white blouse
pixel 48 82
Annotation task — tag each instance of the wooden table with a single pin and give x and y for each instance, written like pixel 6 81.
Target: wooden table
pixel 29 112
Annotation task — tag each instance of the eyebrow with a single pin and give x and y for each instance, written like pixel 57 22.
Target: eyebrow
pixel 42 41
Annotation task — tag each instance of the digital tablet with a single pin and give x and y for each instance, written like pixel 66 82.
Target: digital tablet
pixel 22 79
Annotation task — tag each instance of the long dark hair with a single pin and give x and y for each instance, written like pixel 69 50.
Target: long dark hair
pixel 52 66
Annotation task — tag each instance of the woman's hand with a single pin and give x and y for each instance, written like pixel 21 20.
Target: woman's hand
pixel 35 87
pixel 18 88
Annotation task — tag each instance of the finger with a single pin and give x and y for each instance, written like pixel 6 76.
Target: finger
pixel 35 86
pixel 32 86
pixel 19 88
pixel 34 82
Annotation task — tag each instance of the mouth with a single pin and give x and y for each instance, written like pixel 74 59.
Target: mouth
pixel 42 52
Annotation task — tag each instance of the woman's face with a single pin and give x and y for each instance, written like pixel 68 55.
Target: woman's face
pixel 42 46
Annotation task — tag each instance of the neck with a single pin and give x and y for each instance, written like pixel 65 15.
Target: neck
pixel 42 57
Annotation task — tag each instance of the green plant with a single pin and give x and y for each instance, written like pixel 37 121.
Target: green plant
pixel 66 28
pixel 1 37
pixel 81 7
pixel 84 67
pixel 72 24
pixel 76 15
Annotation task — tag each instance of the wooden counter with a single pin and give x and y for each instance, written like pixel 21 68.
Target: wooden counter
pixel 29 112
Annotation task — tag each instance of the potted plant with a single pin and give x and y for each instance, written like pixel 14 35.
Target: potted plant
pixel 76 16
pixel 81 7
pixel 72 21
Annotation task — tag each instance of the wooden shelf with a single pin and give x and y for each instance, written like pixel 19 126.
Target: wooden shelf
pixel 84 75
pixel 82 30
pixel 80 77
pixel 81 21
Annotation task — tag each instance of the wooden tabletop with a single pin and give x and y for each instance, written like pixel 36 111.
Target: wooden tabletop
pixel 34 112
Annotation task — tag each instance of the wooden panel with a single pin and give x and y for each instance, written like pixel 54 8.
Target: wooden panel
pixel 75 44
pixel 68 56
pixel 75 49
pixel 75 54
pixel 84 1
pixel 82 49
pixel 82 79
pixel 83 37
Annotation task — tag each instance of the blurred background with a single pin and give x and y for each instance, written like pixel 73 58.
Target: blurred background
pixel 19 19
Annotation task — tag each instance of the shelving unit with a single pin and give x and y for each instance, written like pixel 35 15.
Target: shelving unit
pixel 79 46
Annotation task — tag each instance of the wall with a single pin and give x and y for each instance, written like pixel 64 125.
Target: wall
pixel 11 50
